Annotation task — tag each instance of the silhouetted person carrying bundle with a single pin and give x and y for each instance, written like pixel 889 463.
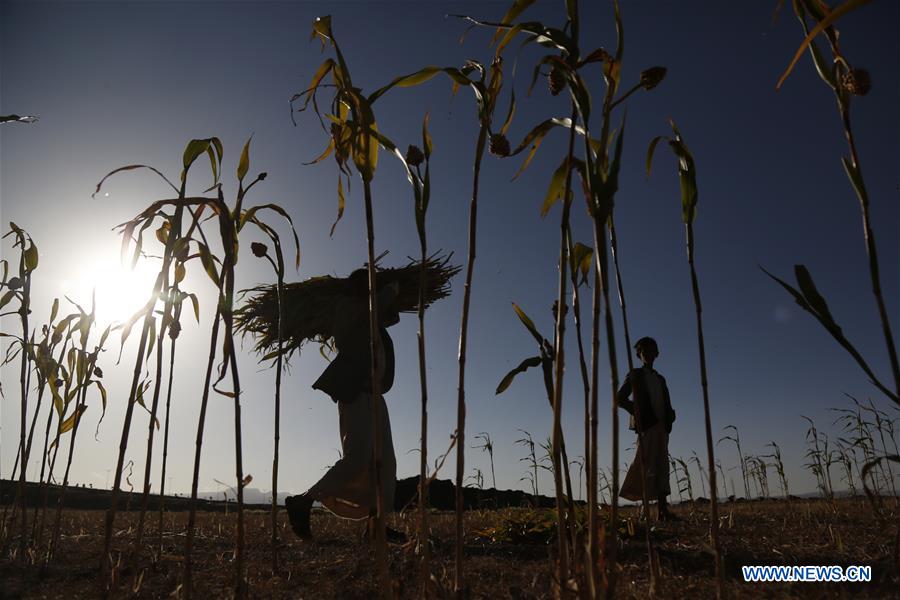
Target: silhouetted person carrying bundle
pixel 651 417
pixel 348 488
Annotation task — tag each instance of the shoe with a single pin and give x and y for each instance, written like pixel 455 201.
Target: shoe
pixel 298 509
pixel 668 516
pixel 393 536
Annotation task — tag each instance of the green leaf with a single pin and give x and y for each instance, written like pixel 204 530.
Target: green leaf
pixel 31 257
pixel 6 298
pixel 556 188
pixel 244 162
pixel 196 304
pixel 54 310
pixel 207 261
pixel 529 324
pixel 534 361
pixel 193 149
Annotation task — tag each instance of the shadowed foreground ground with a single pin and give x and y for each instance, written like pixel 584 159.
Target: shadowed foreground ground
pixel 507 554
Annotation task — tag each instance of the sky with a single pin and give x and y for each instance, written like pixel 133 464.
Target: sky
pixel 132 82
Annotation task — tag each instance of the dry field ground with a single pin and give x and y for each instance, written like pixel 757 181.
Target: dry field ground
pixel 506 554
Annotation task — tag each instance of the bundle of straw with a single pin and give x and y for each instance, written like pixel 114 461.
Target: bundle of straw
pixel 308 306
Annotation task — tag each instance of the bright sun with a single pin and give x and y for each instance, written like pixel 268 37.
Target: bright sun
pixel 120 291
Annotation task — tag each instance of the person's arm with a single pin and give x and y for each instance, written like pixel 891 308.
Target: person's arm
pixel 670 412
pixel 623 394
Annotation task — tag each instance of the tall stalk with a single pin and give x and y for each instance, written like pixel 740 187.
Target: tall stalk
pixel 458 577
pixel 28 260
pixel 559 355
pixel 422 196
pixel 645 504
pixel 688 180
pixel 261 251
pixel 194 149
pixel 157 387
pixel 85 365
pixel 174 331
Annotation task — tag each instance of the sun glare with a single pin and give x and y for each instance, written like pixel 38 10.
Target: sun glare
pixel 120 291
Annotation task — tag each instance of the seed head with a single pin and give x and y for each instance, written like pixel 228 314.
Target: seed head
pixel 652 77
pixel 174 330
pixel 499 145
pixel 857 82
pixel 258 249
pixel 14 283
pixel 556 81
pixel 414 156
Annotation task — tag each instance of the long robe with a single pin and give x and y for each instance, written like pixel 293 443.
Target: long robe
pixel 348 488
pixel 649 391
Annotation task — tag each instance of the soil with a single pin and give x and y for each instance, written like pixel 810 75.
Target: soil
pixel 508 554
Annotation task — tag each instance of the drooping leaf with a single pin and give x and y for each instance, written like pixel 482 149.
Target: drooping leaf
pixel 196 304
pixel 809 299
pixel 581 258
pixel 250 214
pixel 534 361
pixel 835 14
pixel 193 149
pixel 130 168
pixel 73 419
pixel 517 8
pixel 341 204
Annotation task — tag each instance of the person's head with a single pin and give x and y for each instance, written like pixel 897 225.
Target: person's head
pixel 646 350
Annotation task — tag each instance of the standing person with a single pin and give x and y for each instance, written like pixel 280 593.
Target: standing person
pixel 348 488
pixel 653 423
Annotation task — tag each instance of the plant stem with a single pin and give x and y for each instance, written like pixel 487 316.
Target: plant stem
pixel 593 523
pixel 23 376
pixel 157 386
pixel 377 401
pixel 279 269
pixel 642 453
pixel 423 453
pixel 458 576
pixel 201 422
pixel 559 363
pixel 713 502
pixel 869 235
pixel 162 482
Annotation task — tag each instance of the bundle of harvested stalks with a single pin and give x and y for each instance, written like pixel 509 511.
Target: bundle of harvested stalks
pixel 308 306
